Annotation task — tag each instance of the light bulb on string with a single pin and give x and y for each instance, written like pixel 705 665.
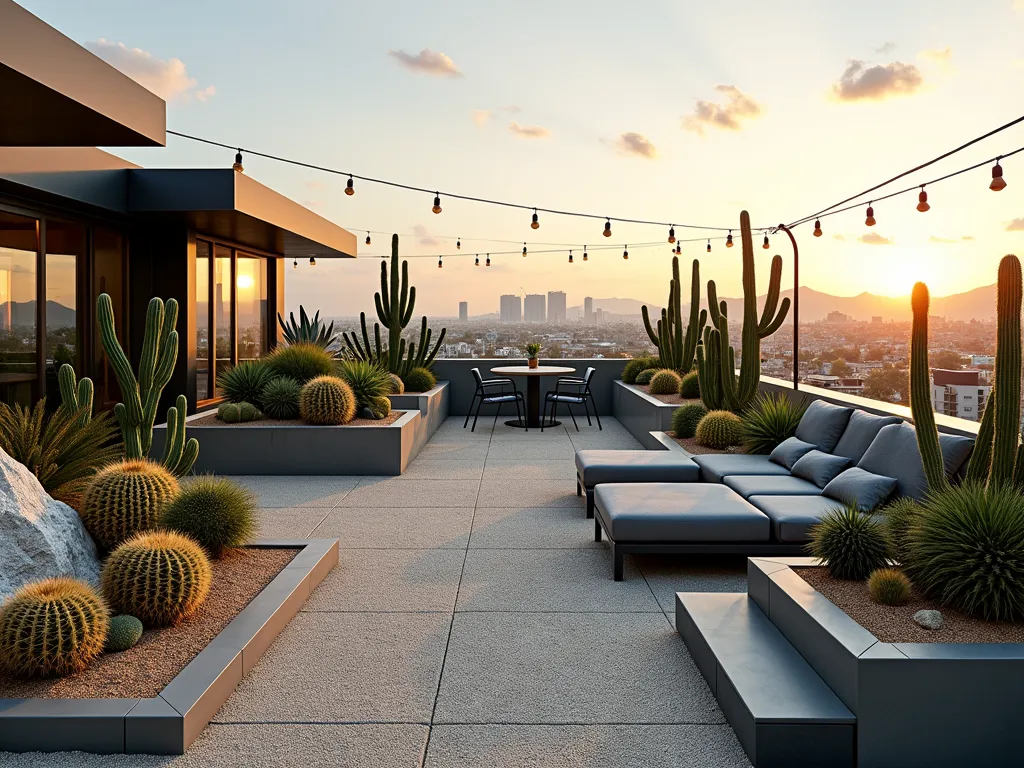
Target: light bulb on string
pixel 477 262
pixel 607 228
pixel 625 253
pixel 678 250
pixel 570 257
pixel 488 260
pixel 728 240
pixel 312 261
pixel 439 263
pixel 922 201
pixel 534 224
pixel 237 165
pixel 584 253
pixel 295 264
pixel 437 203
pixel 870 220
pixel 817 227
pixel 765 245
pixel 367 238
pixel 458 244
pixel 524 250
pixel 998 182
pixel 709 245
pixel 350 188
pixel 672 234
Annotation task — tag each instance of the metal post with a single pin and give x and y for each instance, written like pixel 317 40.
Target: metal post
pixel 796 307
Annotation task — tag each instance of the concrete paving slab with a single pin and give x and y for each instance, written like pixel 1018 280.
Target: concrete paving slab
pixel 541 469
pixel 608 442
pixel 668 574
pixel 585 746
pixel 532 493
pixel 550 580
pixel 463 450
pixel 401 492
pixel 570 668
pixel 442 469
pixel 298 490
pixel 391 580
pixel 398 527
pixel 531 528
pixel 345 668
pixel 289 522
pixel 530 449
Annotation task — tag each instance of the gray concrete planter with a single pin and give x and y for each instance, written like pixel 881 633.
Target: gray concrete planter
pixel 917 704
pixel 168 723
pixel 302 449
pixel 641 413
pixel 433 407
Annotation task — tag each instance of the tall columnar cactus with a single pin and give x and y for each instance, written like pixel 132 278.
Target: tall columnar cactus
pixel 920 391
pixel 75 396
pixel 719 386
pixel 395 303
pixel 137 413
pixel 677 347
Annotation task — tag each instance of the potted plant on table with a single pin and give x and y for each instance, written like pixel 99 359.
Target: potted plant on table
pixel 532 350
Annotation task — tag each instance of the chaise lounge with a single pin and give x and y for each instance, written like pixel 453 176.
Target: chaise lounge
pixel 758 505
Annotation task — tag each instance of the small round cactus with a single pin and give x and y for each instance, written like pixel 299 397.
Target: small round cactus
pixel 719 430
pixel 280 398
pixel 159 577
pixel 124 499
pixel 686 418
pixel 380 407
pixel 665 382
pixel 644 377
pixel 397 385
pixel 327 400
pixel 52 628
pixel 419 380
pixel 689 386
pixel 125 631
pixel 889 586
pixel 216 512
pixel 236 413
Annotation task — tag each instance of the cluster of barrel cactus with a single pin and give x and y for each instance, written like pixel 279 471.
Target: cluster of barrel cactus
pixel 685 419
pixel 327 400
pixel 665 382
pixel 235 413
pixel 126 498
pixel 719 430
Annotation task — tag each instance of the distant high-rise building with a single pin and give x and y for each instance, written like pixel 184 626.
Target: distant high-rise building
pixel 533 308
pixel 837 317
pixel 463 311
pixel 556 306
pixel 588 310
pixel 599 316
pixel 876 318
pixel 511 309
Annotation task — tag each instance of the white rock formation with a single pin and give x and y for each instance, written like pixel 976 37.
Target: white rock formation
pixel 40 537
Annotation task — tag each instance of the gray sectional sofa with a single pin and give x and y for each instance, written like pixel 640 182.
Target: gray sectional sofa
pixel 665 501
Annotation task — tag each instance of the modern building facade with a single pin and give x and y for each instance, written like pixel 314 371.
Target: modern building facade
pixel 588 310
pixel 511 309
pixel 534 308
pixel 556 307
pixel 463 311
pixel 76 222
pixel 963 394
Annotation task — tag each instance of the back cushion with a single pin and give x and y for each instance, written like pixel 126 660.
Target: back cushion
pixel 789 450
pixel 823 424
pixel 894 453
pixel 859 432
pixel 819 468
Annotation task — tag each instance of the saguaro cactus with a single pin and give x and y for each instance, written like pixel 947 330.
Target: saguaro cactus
pixel 920 391
pixel 395 303
pixel 677 348
pixel 719 386
pixel 75 396
pixel 137 413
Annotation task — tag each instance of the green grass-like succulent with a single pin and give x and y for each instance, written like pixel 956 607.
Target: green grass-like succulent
pixel 327 401
pixel 665 382
pixel 280 398
pixel 900 516
pixel 419 380
pixel 125 631
pixel 889 586
pixel 718 430
pixel 770 419
pixel 685 419
pixel 850 543
pixel 302 362
pixel 966 550
pixel 644 377
pixel 636 365
pixel 367 380
pixel 689 385
pixel 245 382
pixel 216 512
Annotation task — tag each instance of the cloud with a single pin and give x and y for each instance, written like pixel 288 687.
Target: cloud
pixel 167 79
pixel 948 240
pixel 427 62
pixel 862 83
pixel 885 49
pixel 425 237
pixel 631 143
pixel 1017 225
pixel 481 116
pixel 738 106
pixel 873 238
pixel 529 131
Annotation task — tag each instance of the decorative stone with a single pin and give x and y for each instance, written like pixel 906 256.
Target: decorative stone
pixel 40 537
pixel 928 619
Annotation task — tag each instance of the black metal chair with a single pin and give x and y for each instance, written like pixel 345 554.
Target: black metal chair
pixel 488 395
pixel 569 391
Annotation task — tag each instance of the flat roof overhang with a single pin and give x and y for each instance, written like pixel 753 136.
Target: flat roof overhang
pixel 55 93
pixel 227 204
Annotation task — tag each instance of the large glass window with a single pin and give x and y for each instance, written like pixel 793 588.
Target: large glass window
pixel 107 277
pixel 65 244
pixel 251 299
pixel 19 247
pixel 223 310
pixel 202 320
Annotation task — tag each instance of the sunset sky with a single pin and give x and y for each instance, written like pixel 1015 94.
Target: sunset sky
pixel 647 110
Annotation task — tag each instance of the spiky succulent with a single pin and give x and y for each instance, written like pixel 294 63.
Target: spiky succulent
pixel 214 511
pixel 307 331
pixel 850 543
pixel 380 407
pixel 51 628
pixel 769 420
pixel 889 586
pixel 718 430
pixel 124 499
pixel 245 382
pixel 636 365
pixel 367 380
pixel 280 398
pixel 899 518
pixel 327 400
pixel 685 419
pixel 665 382
pixel 160 577
pixel 419 380
pixel 397 385
pixel 689 386
pixel 301 362
pixel 644 377
pixel 125 631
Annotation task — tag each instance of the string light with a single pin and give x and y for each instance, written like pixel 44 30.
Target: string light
pixel 534 224
pixel 439 263
pixel 458 244
pixel 709 245
pixel 367 238
pixel 350 186
pixel 488 260
pixel 524 250
pixel 728 240
pixel 237 165
pixel 672 234
pixel 625 254
pixel 295 264
pixel 312 261
pixel 870 220
pixel 437 203
pixel 678 250
pixel 817 228
pixel 766 246
pixel 477 262
pixel 570 257
pixel 607 228
pixel 584 253
pixel 998 182
pixel 922 201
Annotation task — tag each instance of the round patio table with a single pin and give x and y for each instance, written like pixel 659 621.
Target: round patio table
pixel 532 389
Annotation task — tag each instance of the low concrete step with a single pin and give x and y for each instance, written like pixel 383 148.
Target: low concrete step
pixel 783 713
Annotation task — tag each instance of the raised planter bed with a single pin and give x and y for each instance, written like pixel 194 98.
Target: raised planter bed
pixel 290 448
pixel 641 413
pixel 169 722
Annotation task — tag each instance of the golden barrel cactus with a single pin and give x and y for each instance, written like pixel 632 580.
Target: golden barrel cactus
pixel 126 498
pixel 327 400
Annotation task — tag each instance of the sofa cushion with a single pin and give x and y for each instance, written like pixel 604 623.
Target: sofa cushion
pixel 793 516
pixel 859 432
pixel 822 424
pixel 894 453
pixel 789 450
pixel 715 466
pixel 858 486
pixel 663 512
pixel 770 485
pixel 603 466
pixel 820 467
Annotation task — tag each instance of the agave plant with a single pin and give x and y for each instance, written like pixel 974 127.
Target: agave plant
pixel 771 419
pixel 307 331
pixel 62 452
